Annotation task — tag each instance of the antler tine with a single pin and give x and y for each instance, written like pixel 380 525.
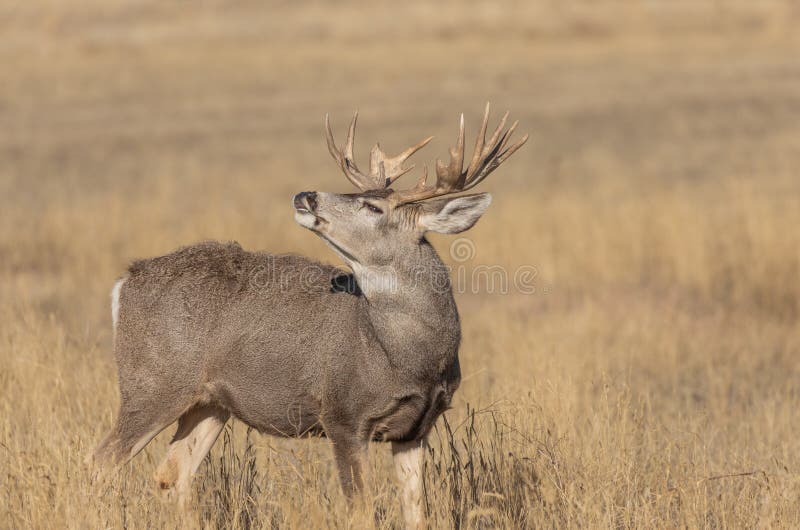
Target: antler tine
pixel 457 156
pixel 423 179
pixel 490 146
pixel 351 133
pixel 329 139
pixel 344 156
pixel 489 149
pixel 414 148
pixel 489 156
pixel 511 150
pixel 448 176
pixel 452 178
pixel 392 166
pixel 383 170
pixel 480 140
pixel 496 159
pixel 509 133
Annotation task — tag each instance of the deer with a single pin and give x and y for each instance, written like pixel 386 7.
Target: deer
pixel 295 348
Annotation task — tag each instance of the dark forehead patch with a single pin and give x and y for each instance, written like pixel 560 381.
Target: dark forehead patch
pixel 377 194
pixel 370 194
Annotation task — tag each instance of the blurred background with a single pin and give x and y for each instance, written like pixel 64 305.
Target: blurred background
pixel 649 380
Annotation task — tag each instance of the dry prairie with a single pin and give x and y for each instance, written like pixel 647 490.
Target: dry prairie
pixel 649 380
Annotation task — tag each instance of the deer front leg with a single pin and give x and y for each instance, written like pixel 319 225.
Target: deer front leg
pixel 408 459
pixel 350 455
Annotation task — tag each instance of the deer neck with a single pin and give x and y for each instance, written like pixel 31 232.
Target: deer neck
pixel 408 308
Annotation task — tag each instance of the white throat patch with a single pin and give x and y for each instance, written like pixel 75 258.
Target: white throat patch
pixel 376 280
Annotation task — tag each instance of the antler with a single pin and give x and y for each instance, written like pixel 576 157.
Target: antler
pixel 383 170
pixel 452 178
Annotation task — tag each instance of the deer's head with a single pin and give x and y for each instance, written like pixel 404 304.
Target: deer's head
pixel 376 226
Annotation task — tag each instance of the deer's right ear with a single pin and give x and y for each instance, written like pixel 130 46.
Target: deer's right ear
pixel 453 215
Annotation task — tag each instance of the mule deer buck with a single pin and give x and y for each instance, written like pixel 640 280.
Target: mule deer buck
pixel 292 347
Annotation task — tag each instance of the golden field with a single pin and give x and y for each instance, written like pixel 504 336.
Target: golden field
pixel 649 381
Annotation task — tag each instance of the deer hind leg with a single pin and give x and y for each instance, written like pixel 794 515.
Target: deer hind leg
pixel 134 428
pixel 198 429
pixel 408 459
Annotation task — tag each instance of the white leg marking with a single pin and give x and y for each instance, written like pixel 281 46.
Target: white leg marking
pixel 115 302
pixel 408 459
pixel 195 437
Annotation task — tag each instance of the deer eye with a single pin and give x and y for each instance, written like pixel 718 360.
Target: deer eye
pixel 372 208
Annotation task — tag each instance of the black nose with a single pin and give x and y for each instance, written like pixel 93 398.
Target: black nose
pixel 306 200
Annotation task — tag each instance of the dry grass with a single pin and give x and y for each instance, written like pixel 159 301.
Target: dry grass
pixel 651 379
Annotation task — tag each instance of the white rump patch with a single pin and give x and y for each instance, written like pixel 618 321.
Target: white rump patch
pixel 115 302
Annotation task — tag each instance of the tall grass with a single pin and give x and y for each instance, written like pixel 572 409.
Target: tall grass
pixel 648 381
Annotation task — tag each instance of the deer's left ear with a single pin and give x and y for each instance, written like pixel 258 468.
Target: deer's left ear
pixel 453 215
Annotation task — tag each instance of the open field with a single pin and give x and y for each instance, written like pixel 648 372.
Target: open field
pixel 649 380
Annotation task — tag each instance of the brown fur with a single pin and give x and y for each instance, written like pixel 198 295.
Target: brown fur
pixel 290 346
